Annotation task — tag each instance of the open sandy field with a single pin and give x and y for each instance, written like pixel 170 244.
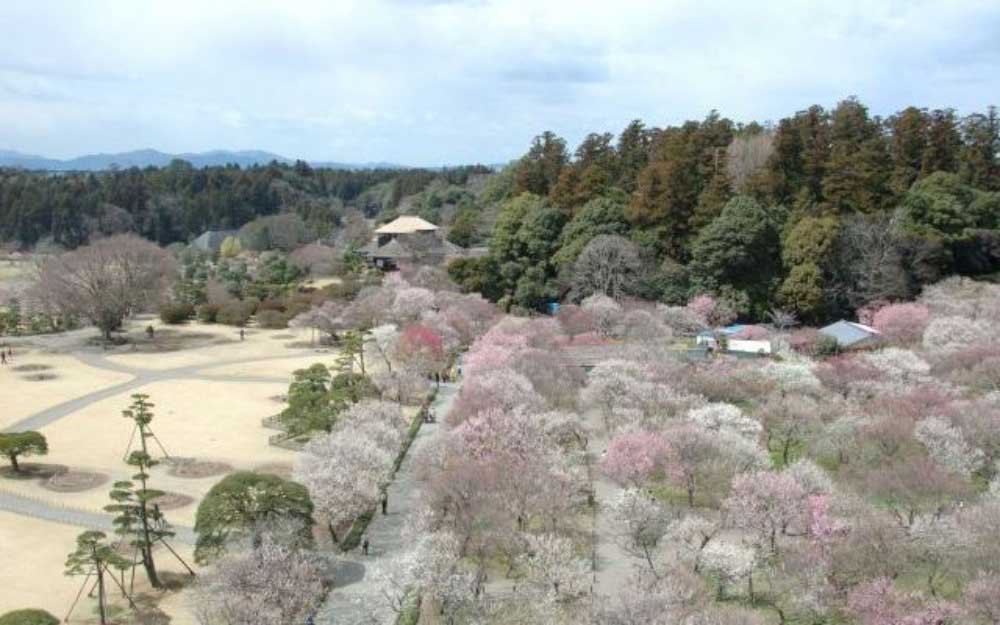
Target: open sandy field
pixel 42 547
pixel 37 379
pixel 208 421
pixel 210 391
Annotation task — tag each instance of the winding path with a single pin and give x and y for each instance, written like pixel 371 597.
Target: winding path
pixel 142 377
pixel 353 586
pixel 67 515
pixel 42 509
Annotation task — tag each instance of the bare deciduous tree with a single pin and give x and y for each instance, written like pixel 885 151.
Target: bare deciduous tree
pixel 746 156
pixel 608 265
pixel 106 281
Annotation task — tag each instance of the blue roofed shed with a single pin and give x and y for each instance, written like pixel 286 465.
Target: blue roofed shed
pixel 850 334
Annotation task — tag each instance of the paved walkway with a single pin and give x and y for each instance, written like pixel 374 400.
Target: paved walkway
pixel 67 515
pixel 343 605
pixel 613 565
pixel 42 509
pixel 142 377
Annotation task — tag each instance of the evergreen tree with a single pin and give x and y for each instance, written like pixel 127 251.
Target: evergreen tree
pixel 736 255
pixel 857 173
pixel 944 143
pixel 139 518
pixel 239 504
pixel 309 406
pixel 909 131
pixel 981 153
pixel 94 556
pixel 539 169
pixel 633 149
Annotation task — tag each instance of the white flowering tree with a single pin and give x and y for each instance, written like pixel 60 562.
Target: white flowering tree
pixel 429 568
pixel 344 475
pixel 947 447
pixel 688 537
pixel 553 563
pixel 641 523
pixel 274 582
pixel 945 334
pixel 765 504
pixel 605 312
pixel 899 365
pixel 731 562
pixel 722 417
pixel 411 303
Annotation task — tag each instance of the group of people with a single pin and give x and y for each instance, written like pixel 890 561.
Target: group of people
pixel 6 354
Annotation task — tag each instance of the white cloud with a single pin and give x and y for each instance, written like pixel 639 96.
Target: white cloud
pixel 428 82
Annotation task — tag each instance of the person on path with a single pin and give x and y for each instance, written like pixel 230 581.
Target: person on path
pixel 3 358
pixel 364 546
pixel 385 502
pixel 242 334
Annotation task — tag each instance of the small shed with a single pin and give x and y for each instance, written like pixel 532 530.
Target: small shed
pixel 850 334
pixel 758 348
pixel 211 240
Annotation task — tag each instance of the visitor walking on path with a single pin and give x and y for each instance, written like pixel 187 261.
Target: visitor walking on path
pixel 385 502
pixel 3 357
pixel 364 546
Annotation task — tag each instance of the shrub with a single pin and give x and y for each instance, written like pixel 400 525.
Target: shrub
pixel 297 308
pixel 176 313
pixel 826 346
pixel 235 313
pixel 347 288
pixel 804 341
pixel 272 319
pixel 208 313
pixel 28 616
pixel 271 304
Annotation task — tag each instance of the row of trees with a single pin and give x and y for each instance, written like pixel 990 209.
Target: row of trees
pixel 825 211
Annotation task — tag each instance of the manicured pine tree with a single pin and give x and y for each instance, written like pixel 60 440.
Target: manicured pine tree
pixel 94 556
pixel 139 520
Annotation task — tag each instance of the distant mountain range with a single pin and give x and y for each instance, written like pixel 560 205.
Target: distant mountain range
pixel 154 158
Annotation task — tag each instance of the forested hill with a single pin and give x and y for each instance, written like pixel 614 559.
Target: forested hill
pixel 820 213
pixel 178 202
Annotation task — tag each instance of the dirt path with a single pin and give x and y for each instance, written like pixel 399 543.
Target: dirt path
pixel 613 565
pixel 344 604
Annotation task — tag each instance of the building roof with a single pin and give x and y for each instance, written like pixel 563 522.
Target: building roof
pixel 392 249
pixel 211 240
pixel 749 347
pixel 848 333
pixel 406 224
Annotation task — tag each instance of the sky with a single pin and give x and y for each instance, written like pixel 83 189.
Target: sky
pixel 434 82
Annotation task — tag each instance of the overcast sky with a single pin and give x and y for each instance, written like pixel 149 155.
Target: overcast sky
pixel 426 82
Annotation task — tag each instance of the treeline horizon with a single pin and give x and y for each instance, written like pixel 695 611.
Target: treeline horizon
pixel 821 213
pixel 178 202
